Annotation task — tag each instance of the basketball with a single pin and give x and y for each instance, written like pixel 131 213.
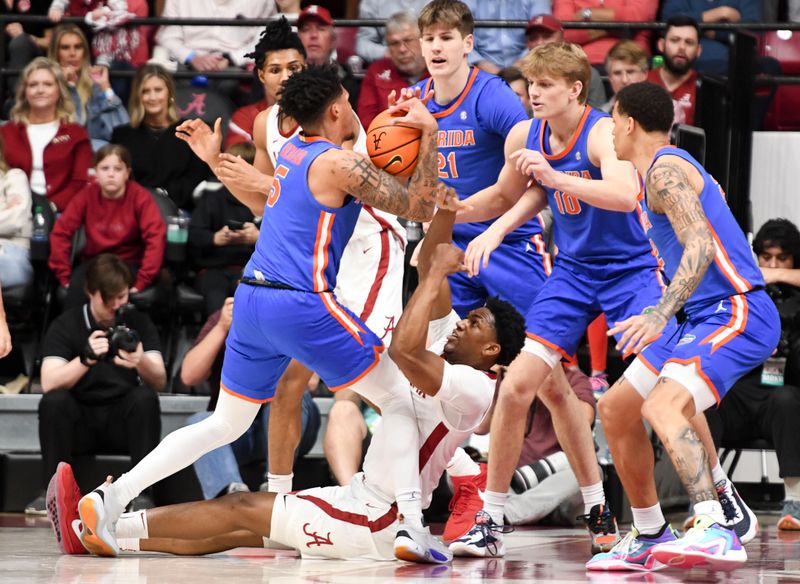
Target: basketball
pixel 393 148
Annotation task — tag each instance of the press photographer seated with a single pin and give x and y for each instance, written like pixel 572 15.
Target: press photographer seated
pixel 101 370
pixel 766 402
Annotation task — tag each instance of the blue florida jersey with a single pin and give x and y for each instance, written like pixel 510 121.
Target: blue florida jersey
pixel 301 242
pixel 581 231
pixel 734 271
pixel 472 133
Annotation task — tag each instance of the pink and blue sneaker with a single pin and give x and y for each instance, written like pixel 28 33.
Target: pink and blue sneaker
pixel 633 552
pixel 708 544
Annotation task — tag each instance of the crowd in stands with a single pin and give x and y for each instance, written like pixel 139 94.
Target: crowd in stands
pixel 98 153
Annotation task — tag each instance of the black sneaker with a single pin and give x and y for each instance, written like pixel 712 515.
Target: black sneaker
pixel 37 507
pixel 602 527
pixel 738 516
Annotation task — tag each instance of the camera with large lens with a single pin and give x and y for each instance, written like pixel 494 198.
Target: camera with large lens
pixel 787 301
pixel 120 337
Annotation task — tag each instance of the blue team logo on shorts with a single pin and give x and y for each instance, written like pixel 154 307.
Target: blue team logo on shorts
pixel 686 339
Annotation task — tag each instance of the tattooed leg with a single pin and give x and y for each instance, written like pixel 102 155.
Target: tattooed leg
pixel 669 409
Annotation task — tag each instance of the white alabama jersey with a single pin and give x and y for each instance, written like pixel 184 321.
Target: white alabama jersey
pixel 368 223
pixel 444 421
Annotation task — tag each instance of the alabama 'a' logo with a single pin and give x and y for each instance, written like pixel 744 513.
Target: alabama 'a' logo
pixel 376 140
pixel 316 538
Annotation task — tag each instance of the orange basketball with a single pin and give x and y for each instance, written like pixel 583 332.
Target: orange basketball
pixel 393 148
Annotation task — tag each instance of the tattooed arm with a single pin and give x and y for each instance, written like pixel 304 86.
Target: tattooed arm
pixel 671 191
pixel 343 172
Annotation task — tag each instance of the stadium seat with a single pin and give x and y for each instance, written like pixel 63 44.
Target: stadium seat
pixel 784 46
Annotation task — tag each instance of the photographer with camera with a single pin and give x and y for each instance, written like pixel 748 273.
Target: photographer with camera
pixel 222 236
pixel 101 369
pixel 766 402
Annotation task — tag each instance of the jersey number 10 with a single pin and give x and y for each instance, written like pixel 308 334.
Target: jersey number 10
pixel 566 203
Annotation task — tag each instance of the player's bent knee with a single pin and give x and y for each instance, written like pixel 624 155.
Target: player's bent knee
pixel 545 353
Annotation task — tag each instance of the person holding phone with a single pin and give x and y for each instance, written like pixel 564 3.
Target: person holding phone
pixel 222 235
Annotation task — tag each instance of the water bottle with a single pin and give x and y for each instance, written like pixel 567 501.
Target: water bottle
pixel 39 225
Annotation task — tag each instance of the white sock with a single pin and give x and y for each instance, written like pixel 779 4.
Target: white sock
pixel 128 544
pixel 132 525
pixel 711 508
pixel 648 520
pixel 718 473
pixel 593 495
pixel 279 483
pixel 494 503
pixel 461 465
pixel 792 487
pixel 409 505
pixel 184 446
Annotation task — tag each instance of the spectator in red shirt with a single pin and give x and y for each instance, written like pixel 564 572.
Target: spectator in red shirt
pixel 681 48
pixel 118 216
pixel 278 54
pixel 404 66
pixel 42 140
pixel 597 42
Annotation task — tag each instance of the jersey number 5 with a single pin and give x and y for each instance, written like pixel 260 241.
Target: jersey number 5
pixel 567 204
pixel 275 191
pixel 447 167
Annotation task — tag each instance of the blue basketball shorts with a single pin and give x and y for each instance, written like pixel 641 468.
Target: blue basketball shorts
pixel 516 272
pixel 576 293
pixel 716 345
pixel 272 326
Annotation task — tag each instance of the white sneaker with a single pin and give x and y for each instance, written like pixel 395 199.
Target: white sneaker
pixel 97 533
pixel 415 544
pixel 484 539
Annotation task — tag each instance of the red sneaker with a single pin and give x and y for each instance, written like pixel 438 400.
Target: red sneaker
pixel 62 499
pixel 466 502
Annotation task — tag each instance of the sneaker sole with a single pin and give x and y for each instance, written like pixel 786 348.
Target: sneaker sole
pixel 418 556
pixel 58 491
pixel 620 566
pixel 789 523
pixel 463 550
pixel 680 558
pixel 94 528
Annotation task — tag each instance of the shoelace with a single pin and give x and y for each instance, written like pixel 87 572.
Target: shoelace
pixel 459 504
pixel 601 521
pixel 484 523
pixel 728 506
pixel 625 545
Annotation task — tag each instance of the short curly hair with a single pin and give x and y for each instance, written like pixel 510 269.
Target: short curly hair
pixel 649 104
pixel 277 36
pixel 509 326
pixel 307 93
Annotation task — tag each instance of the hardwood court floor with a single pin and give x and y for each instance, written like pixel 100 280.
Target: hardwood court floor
pixel 28 553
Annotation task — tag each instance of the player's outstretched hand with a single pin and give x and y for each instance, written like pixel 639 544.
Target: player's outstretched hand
pixel 237 173
pixel 416 113
pixel 448 259
pixel 447 199
pixel 638 331
pixel 405 93
pixel 204 142
pixel 480 249
pixel 533 163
